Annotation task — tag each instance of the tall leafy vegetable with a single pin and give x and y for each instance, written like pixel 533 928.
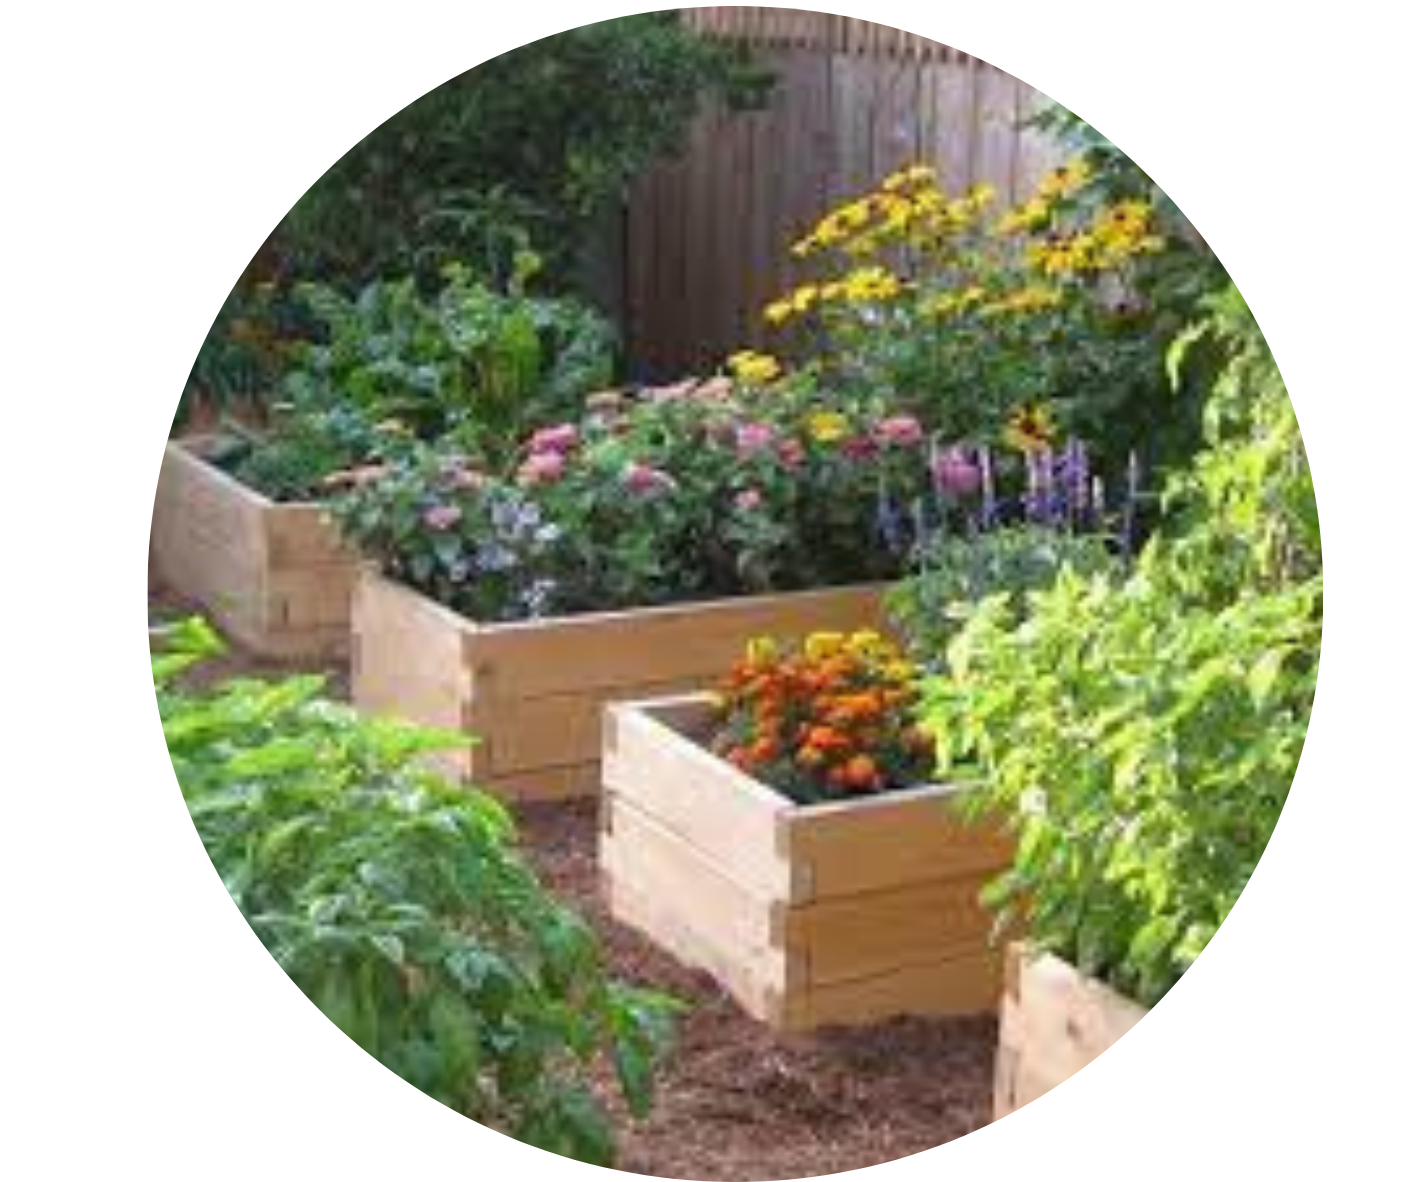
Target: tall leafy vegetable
pixel 399 904
pixel 1144 733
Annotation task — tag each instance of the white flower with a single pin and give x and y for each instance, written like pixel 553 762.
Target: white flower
pixel 1033 802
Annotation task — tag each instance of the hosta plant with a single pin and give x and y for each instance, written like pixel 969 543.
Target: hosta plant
pixel 402 908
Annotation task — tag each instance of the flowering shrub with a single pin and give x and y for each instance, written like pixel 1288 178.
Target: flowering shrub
pixel 701 490
pixel 964 314
pixel 830 719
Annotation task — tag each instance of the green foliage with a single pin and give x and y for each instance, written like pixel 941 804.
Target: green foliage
pixel 954 573
pixel 473 360
pixel 1161 297
pixel 399 904
pixel 1143 733
pixel 532 146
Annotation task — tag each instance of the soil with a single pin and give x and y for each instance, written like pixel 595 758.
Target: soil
pixel 737 1102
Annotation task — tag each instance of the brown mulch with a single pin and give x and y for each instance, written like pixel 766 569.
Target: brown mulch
pixel 736 1102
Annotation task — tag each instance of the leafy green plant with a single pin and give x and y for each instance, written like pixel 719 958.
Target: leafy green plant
pixel 1143 733
pixel 955 572
pixel 473 360
pixel 399 904
pixel 536 145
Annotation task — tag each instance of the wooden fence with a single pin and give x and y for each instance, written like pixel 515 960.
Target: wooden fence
pixel 708 233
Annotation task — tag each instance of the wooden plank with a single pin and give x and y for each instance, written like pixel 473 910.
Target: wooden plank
pixel 886 841
pixel 687 643
pixel 408 660
pixel 303 536
pixel 1053 1022
pixel 725 816
pixel 963 985
pixel 639 853
pixel 526 733
pixel 854 936
pixel 666 928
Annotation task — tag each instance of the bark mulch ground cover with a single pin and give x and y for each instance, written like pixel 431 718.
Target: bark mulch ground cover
pixel 736 1102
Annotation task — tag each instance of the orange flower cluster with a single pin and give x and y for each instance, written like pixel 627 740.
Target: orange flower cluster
pixel 832 717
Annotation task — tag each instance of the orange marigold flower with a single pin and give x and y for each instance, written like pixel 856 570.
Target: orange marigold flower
pixel 827 738
pixel 861 772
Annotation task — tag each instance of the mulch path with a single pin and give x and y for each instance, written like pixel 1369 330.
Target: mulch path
pixel 736 1102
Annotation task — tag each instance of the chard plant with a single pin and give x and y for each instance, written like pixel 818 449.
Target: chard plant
pixel 401 907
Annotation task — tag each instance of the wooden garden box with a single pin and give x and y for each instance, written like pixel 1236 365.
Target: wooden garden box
pixel 836 913
pixel 275 577
pixel 533 691
pixel 1053 1021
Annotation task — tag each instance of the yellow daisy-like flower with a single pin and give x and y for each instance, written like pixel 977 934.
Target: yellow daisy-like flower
pixel 779 311
pixel 1028 216
pixel 821 645
pixel 828 426
pixel 871 283
pixel 1030 428
pixel 761 650
pixel 914 175
pixel 754 369
pixel 1026 299
pixel 1066 179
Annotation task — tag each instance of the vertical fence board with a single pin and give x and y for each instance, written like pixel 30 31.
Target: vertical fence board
pixel 708 235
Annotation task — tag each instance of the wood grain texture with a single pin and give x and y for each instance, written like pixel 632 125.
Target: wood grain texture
pixel 732 872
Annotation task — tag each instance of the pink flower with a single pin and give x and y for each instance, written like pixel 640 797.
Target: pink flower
pixel 643 478
pixel 548 440
pixel 955 473
pixel 900 431
pixel 748 499
pixel 791 453
pixel 542 467
pixel 441 517
pixel 752 438
pixel 859 447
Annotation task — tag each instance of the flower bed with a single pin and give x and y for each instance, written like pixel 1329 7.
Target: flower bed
pixel 533 690
pixel 1053 1021
pixel 840 912
pixel 274 576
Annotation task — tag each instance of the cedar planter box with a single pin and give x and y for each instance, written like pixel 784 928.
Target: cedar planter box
pixel 1053 1021
pixel 836 913
pixel 533 691
pixel 273 576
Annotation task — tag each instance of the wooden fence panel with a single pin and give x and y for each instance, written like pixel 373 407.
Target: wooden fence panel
pixel 708 234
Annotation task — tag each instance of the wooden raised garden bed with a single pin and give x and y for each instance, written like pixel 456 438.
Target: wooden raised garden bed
pixel 1053 1021
pixel 533 691
pixel 273 576
pixel 842 912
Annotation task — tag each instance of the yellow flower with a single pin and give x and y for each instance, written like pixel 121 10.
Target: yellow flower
pixel 1066 179
pixel 828 426
pixel 1025 299
pixel 871 283
pixel 761 650
pixel 1027 216
pixel 913 175
pixel 821 645
pixel 1030 428
pixel 779 311
pixel 755 369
